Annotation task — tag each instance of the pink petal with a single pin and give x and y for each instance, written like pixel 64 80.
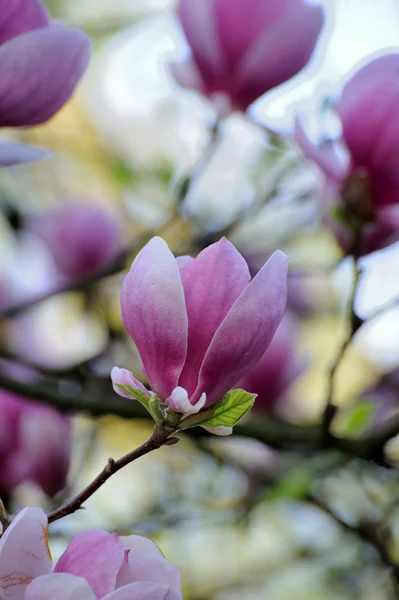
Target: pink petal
pixel 16 154
pixel 135 547
pixel 139 545
pixel 46 446
pixel 125 377
pixel 198 21
pixel 184 261
pixel 368 110
pixel 144 591
pixel 187 75
pixel 24 553
pixel 246 332
pixel 59 586
pixel 334 164
pixel 154 569
pixel 154 314
pixel 95 555
pixel 39 71
pixel 212 283
pixel 83 237
pixel 20 16
pixel 287 32
pixel 278 367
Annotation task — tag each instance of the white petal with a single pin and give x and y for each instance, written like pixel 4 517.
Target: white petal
pixel 220 430
pixel 179 402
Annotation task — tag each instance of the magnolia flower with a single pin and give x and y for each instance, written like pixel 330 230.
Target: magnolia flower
pixel 83 237
pixel 242 49
pixel 95 565
pixel 40 64
pixel 362 169
pixel 199 324
pixel 35 444
pixel 276 370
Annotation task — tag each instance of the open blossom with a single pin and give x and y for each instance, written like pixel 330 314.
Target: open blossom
pixel 276 370
pixel 35 444
pixel 362 169
pixel 242 49
pixel 82 237
pixel 95 565
pixel 199 324
pixel 40 64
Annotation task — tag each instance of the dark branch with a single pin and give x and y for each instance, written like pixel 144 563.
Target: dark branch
pixel 354 324
pixel 158 438
pixel 368 533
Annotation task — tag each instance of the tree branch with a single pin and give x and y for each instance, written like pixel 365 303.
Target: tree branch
pixel 268 429
pixel 354 324
pixel 160 436
pixel 366 533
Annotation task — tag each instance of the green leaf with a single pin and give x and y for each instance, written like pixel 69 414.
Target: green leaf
pixel 136 393
pixel 357 418
pixel 233 406
pixel 155 410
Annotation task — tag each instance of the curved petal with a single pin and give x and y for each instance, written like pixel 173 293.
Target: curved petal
pixel 139 545
pixel 95 555
pixel 17 154
pixel 281 51
pixel 125 377
pixel 198 21
pixel 154 314
pixel 327 157
pixel 221 430
pixel 20 16
pixel 278 367
pixel 156 570
pixel 39 71
pixel 187 75
pixel 212 283
pixel 144 590
pixel 179 402
pixel 246 332
pixel 46 446
pixel 368 110
pixel 59 586
pixel 24 553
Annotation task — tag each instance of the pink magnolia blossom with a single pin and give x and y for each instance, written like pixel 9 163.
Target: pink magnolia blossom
pixel 199 324
pixel 276 370
pixel 82 237
pixel 40 65
pixel 95 565
pixel 35 444
pixel 362 169
pixel 242 49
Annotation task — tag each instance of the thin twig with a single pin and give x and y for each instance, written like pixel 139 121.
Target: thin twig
pixel 354 323
pixel 158 438
pixel 367 533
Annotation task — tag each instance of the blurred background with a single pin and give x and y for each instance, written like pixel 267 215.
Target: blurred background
pixel 136 155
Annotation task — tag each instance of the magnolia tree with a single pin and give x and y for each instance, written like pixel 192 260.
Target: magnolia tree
pixel 215 330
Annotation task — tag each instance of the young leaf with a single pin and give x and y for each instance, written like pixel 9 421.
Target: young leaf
pixel 155 410
pixel 135 393
pixel 356 419
pixel 230 409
